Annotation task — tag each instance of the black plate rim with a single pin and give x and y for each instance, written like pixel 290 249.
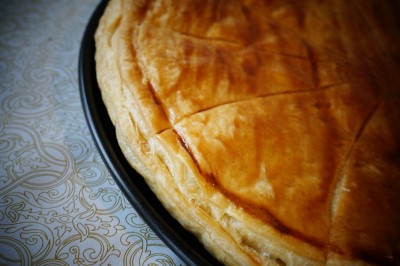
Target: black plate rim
pixel 181 242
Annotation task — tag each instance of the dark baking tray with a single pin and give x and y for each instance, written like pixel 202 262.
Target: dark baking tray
pixel 183 243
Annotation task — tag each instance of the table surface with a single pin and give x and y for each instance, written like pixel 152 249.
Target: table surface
pixel 58 203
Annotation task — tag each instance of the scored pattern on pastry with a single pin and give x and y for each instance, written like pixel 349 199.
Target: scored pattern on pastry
pixel 270 121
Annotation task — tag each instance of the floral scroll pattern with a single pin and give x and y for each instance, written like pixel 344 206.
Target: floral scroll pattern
pixel 58 203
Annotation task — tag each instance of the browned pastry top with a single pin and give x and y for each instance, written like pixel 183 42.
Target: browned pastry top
pixel 289 109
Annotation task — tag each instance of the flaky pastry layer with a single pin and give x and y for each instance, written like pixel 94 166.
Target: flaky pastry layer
pixel 269 129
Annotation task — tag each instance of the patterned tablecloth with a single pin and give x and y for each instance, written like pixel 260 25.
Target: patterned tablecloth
pixel 58 203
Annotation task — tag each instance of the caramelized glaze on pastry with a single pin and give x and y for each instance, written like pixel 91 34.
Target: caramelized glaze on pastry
pixel 269 129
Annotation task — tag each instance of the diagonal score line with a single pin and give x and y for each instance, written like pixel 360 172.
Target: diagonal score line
pixel 327 87
pixel 340 176
pixel 207 39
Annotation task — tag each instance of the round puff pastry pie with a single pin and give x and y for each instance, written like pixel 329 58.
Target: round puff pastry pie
pixel 269 129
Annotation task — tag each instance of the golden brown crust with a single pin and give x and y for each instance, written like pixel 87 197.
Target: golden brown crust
pixel 269 129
